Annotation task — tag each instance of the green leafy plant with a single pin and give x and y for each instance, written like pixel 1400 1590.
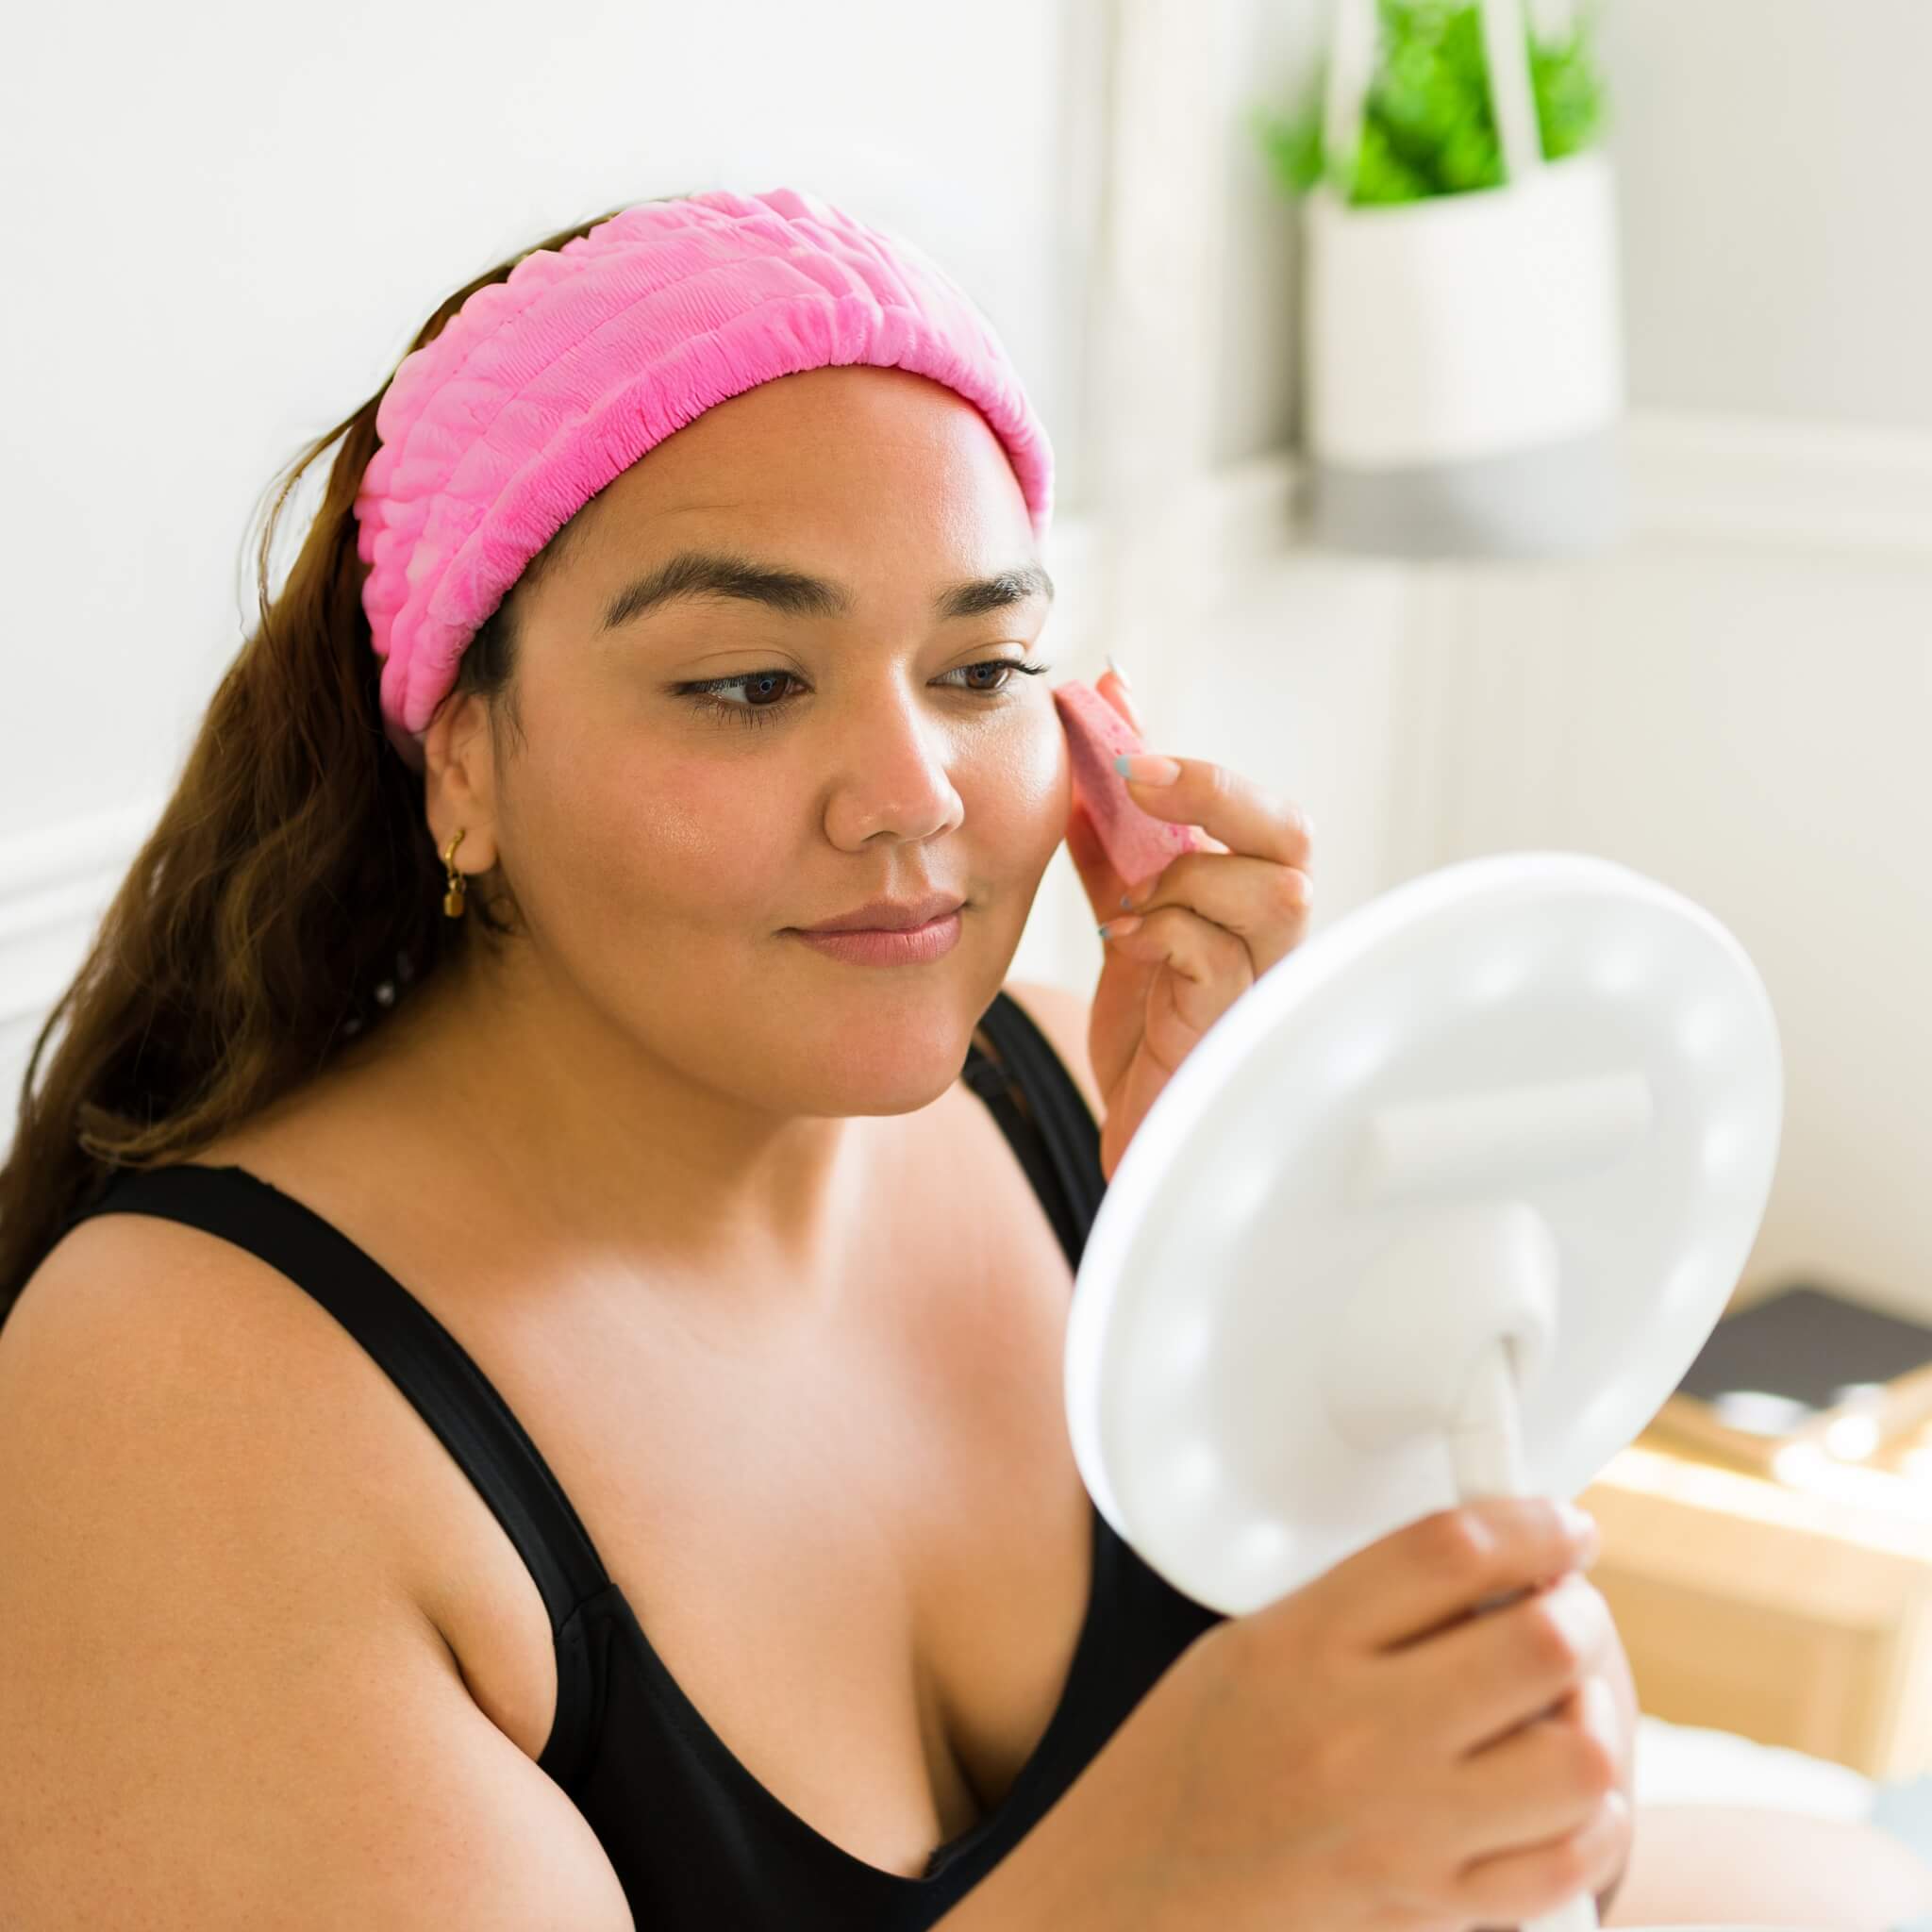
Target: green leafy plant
pixel 1429 126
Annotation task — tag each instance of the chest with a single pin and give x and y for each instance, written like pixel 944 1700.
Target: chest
pixel 858 1544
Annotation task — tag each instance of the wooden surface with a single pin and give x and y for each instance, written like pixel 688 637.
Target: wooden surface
pixel 1795 1609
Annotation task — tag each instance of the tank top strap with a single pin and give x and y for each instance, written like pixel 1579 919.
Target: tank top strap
pixel 424 1359
pixel 1058 1140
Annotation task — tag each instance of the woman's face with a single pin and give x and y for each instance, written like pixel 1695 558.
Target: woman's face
pixel 662 846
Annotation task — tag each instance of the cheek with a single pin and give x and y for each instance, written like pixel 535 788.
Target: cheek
pixel 1016 808
pixel 684 841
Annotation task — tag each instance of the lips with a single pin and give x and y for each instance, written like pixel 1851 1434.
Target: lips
pixel 922 945
pixel 888 915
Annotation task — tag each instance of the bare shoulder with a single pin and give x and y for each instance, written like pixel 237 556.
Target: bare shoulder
pixel 1063 1017
pixel 139 1337
pixel 222 1703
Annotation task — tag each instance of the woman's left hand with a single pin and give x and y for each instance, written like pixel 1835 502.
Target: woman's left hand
pixel 1199 934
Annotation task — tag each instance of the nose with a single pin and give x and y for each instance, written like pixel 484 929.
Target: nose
pixel 891 777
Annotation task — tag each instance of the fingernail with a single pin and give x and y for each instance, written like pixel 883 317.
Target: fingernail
pixel 1147 768
pixel 1575 1607
pixel 1124 696
pixel 1584 1531
pixel 1118 928
pixel 1599 1712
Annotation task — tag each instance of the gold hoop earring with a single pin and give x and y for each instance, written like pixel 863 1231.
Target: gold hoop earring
pixel 453 897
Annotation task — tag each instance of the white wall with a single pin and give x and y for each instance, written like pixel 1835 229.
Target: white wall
pixel 1269 54
pixel 1747 720
pixel 1740 704
pixel 1773 156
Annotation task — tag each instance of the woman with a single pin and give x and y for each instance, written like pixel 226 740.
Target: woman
pixel 473 953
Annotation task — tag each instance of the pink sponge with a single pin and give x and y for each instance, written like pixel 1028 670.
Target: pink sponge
pixel 1137 844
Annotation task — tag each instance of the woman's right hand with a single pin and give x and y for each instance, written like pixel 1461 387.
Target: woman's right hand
pixel 1375 1754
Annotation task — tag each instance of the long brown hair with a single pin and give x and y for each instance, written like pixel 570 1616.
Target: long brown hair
pixel 290 895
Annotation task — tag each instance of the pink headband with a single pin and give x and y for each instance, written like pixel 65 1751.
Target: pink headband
pixel 543 388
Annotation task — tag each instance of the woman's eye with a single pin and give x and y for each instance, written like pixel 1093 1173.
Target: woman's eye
pixel 765 690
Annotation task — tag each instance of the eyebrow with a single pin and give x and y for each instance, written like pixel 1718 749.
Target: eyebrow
pixel 697 574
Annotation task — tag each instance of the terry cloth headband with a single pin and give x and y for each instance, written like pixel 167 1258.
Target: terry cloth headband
pixel 544 387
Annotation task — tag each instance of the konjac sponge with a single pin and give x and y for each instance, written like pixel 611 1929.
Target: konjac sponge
pixel 1137 844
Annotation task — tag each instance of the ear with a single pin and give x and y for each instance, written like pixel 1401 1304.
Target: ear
pixel 459 781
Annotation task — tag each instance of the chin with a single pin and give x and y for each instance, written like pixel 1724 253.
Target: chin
pixel 894 1056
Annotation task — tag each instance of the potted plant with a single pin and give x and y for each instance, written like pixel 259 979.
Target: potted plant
pixel 1462 339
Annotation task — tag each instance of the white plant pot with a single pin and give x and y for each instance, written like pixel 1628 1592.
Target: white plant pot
pixel 1464 373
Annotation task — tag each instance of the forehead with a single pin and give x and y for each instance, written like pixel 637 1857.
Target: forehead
pixel 822 456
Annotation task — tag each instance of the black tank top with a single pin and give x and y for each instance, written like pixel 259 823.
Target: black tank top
pixel 696 1841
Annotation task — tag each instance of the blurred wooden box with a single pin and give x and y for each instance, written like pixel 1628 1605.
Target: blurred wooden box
pixel 1795 1611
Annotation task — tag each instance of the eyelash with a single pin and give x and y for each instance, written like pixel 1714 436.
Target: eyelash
pixel 757 714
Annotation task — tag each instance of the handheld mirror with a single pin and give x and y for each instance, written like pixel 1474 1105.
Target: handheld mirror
pixel 1442 1206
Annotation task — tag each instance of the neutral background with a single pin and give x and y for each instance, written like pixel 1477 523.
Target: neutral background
pixel 227 223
